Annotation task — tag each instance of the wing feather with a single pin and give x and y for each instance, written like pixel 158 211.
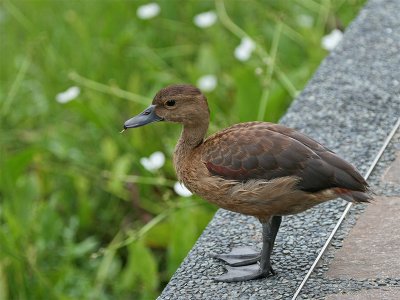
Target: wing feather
pixel 260 150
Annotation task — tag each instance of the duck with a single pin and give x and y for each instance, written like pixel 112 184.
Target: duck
pixel 260 169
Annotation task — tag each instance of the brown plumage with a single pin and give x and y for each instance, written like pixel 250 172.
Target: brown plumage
pixel 257 168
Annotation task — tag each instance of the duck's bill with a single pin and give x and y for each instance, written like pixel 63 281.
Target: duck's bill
pixel 146 117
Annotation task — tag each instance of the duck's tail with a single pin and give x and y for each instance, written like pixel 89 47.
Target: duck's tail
pixel 355 196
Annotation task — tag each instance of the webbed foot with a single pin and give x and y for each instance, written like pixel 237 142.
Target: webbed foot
pixel 245 273
pixel 241 256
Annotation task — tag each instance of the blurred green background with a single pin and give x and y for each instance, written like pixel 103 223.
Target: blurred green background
pixel 80 217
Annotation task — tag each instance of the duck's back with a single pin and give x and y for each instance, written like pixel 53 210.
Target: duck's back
pixel 261 150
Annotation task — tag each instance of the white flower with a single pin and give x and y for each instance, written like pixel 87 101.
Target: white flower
pixel 245 48
pixel 69 95
pixel 182 190
pixel 148 11
pixel 207 83
pixel 330 41
pixel 306 21
pixel 154 162
pixel 205 19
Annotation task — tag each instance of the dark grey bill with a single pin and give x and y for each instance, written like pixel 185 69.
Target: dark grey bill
pixel 146 117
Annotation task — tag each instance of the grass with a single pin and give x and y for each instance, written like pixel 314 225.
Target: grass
pixel 80 218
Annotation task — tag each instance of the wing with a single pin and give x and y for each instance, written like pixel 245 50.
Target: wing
pixel 260 150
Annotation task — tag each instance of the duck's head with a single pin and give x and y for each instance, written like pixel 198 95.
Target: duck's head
pixel 181 103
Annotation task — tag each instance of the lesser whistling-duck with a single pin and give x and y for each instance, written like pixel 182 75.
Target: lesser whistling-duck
pixel 257 168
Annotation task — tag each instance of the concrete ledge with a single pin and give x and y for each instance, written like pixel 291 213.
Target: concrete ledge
pixel 371 238
pixel 350 105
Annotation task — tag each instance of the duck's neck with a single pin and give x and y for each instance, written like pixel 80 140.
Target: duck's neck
pixel 191 137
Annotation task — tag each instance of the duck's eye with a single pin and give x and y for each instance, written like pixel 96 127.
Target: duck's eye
pixel 170 103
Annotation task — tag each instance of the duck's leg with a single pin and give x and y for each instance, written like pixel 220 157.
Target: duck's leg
pixel 242 256
pixel 270 230
pixel 263 269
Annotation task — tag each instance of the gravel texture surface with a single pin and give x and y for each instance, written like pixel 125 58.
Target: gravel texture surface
pixel 350 105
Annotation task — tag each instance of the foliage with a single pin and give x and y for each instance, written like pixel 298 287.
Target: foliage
pixel 80 218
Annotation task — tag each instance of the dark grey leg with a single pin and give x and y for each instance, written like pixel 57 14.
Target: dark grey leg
pixel 270 230
pixel 255 271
